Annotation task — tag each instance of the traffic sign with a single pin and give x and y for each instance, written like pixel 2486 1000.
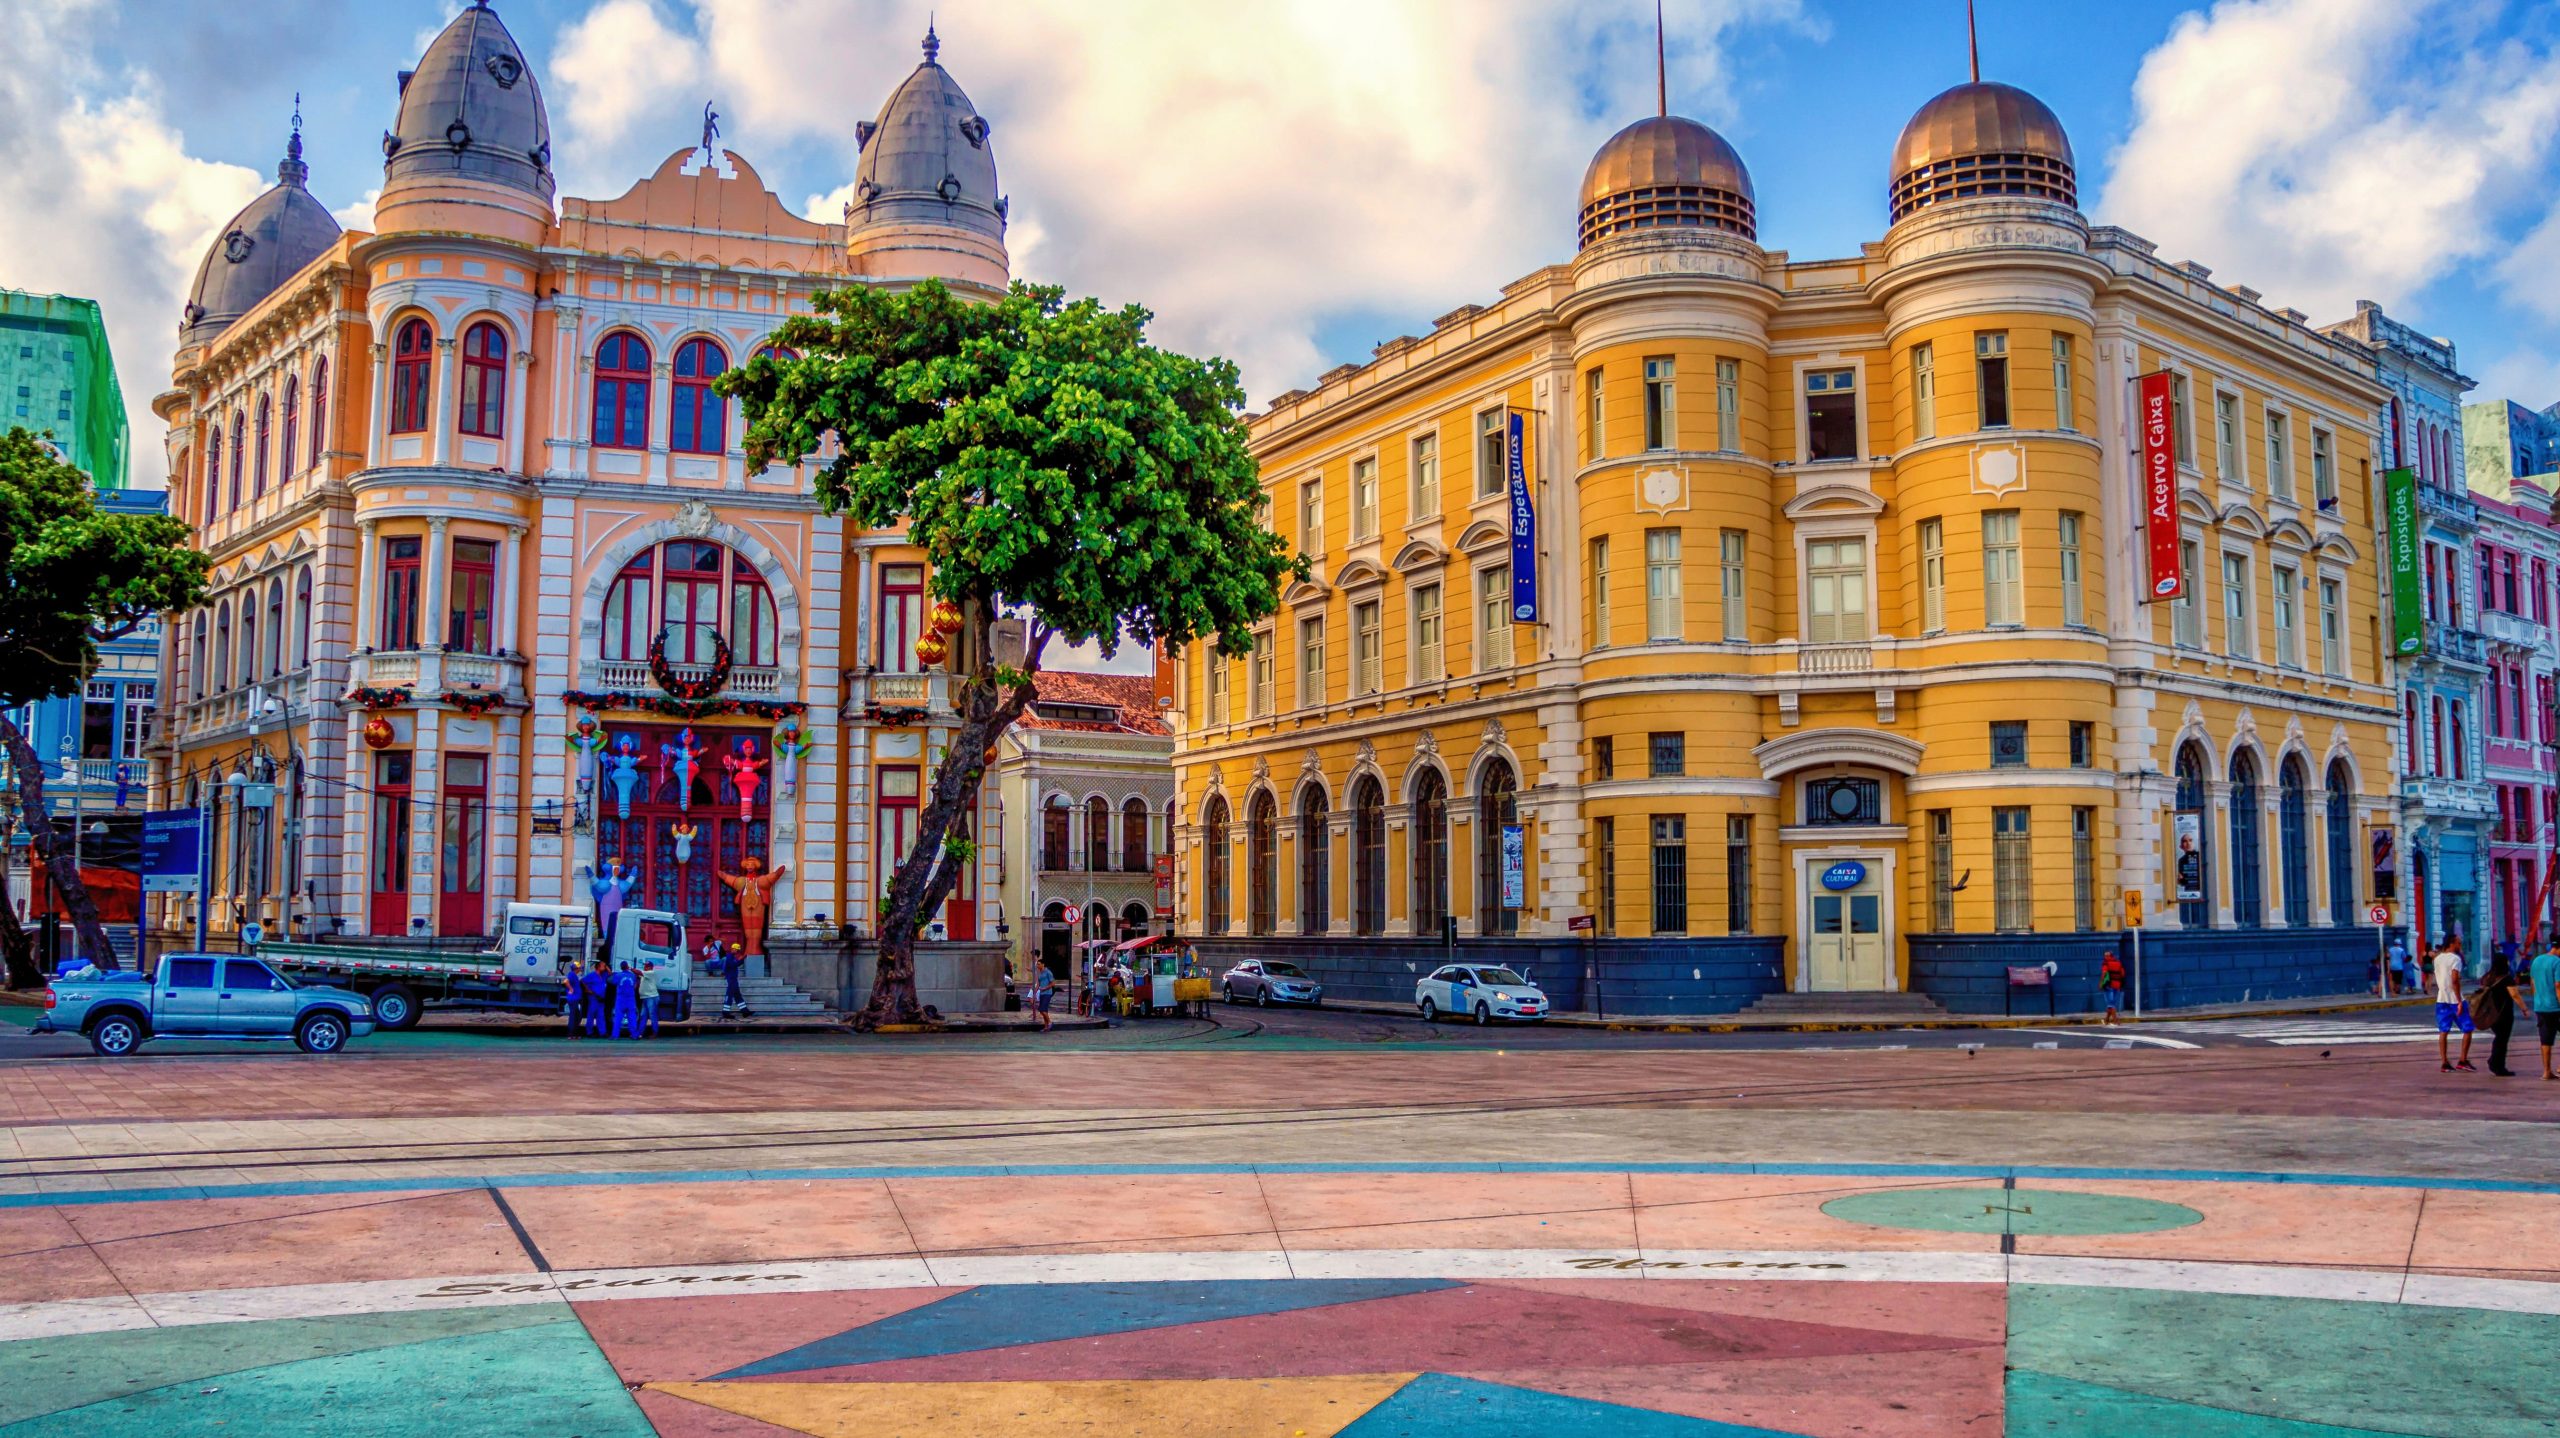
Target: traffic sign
pixel 2379 913
pixel 1074 913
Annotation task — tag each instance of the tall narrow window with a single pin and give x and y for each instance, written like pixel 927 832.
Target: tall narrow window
pixel 1595 427
pixel 1659 413
pixel 1315 854
pixel 2012 871
pixel 470 614
pixel 276 649
pixel 1670 874
pixel 2333 635
pixel 1729 406
pixel 2226 439
pixel 1430 853
pixel 1991 377
pixel 2073 611
pixel 2248 875
pixel 1733 554
pixel 1493 618
pixel 2083 744
pixel 691 578
pixel 1260 677
pixel 302 618
pixel 622 392
pixel 1492 451
pixel 141 700
pixel 1134 844
pixel 2192 862
pixel 2003 598
pixel 484 380
pixel 264 446
pixel 400 561
pixel 412 350
pixel 1369 850
pixel 2279 455
pixel 1737 874
pixel 1364 499
pixel 1604 758
pixel 1311 516
pixel 2084 868
pixel 1497 811
pixel 2287 596
pixel 2186 619
pixel 239 455
pixel 1831 414
pixel 1836 591
pixel 291 430
pixel 1311 663
pixel 755 637
pixel 2181 420
pixel 212 474
pixel 699 418
pixel 1600 593
pixel 1662 584
pixel 2342 845
pixel 1365 664
pixel 901 618
pixel 320 412
pixel 2239 637
pixel 1942 872
pixel 1218 667
pixel 1924 391
pixel 1097 835
pixel 1604 857
pixel 2324 469
pixel 2293 837
pixel 1933 575
pixel 1427 661
pixel 1425 477
pixel 2062 402
pixel 1217 898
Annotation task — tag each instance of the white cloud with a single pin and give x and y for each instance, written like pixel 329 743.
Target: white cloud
pixel 101 199
pixel 2326 151
pixel 612 69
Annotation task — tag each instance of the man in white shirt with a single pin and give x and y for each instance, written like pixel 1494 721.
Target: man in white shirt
pixel 2451 1012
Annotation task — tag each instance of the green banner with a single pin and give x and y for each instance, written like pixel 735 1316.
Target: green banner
pixel 2400 501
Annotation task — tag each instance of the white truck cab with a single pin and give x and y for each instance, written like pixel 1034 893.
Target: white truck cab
pixel 538 940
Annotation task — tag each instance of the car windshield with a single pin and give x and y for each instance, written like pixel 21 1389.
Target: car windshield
pixel 1280 970
pixel 1500 977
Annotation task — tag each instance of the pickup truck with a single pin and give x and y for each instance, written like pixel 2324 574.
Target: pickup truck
pixel 203 996
pixel 522 971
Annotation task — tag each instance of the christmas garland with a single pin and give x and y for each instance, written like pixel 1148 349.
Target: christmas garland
pixel 668 708
pixel 663 674
pixel 474 702
pixel 372 698
pixel 894 715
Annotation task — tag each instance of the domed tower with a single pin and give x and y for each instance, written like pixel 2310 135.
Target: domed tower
pixel 1666 171
pixel 925 201
pixel 471 149
pixel 266 244
pixel 1982 140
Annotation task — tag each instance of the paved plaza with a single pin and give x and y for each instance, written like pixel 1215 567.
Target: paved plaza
pixel 1276 1235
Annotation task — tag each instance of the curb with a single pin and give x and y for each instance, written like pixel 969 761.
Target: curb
pixel 1732 1024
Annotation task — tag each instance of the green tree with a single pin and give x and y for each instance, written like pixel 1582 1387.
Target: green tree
pixel 1054 467
pixel 72 576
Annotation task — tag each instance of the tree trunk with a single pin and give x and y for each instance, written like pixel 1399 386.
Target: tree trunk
pixel 921 884
pixel 16 947
pixel 50 851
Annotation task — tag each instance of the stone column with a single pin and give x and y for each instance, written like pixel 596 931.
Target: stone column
pixel 662 419
pixel 447 403
pixel 510 574
pixel 438 579
pixel 519 367
pixel 378 424
pixel 368 587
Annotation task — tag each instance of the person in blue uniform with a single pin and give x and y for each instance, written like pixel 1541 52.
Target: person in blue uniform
pixel 733 1003
pixel 626 1002
pixel 573 997
pixel 599 987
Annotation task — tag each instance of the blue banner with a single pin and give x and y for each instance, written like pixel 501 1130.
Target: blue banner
pixel 172 851
pixel 1524 527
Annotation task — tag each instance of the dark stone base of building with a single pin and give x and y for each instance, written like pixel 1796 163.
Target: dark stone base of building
pixel 955 977
pixel 1968 973
pixel 1615 978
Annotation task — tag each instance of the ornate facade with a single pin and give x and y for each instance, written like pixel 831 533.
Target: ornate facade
pixel 497 599
pixel 1841 674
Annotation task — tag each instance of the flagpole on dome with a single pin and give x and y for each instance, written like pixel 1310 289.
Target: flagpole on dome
pixel 1661 69
pixel 1972 42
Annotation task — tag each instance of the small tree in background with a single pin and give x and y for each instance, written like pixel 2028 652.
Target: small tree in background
pixel 1050 463
pixel 71 577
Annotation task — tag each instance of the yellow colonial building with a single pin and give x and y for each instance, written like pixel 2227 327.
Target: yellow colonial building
pixel 1843 674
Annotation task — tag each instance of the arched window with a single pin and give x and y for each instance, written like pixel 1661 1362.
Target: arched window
pixel 2248 869
pixel 275 627
pixel 319 411
pixel 1368 857
pixel 752 621
pixel 778 353
pixel 699 423
pixel 622 392
pixel 1057 834
pixel 266 438
pixel 484 380
pixel 1134 858
pixel 197 668
pixel 1430 854
pixel 1097 921
pixel 1497 808
pixel 411 382
pixel 302 618
pixel 239 453
pixel 1214 912
pixel 248 671
pixel 290 429
pixel 1315 900
pixel 1097 835
pixel 2293 839
pixel 2194 859
pixel 2342 845
pixel 691 574
pixel 695 584
pixel 1262 861
pixel 213 476
pixel 2409 727
pixel 1133 919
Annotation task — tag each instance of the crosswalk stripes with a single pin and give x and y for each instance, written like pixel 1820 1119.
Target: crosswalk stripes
pixel 2304 1031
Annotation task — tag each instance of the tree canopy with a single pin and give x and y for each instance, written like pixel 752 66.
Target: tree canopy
pixel 72 574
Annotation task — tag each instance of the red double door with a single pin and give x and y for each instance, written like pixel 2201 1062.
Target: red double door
pixel 661 803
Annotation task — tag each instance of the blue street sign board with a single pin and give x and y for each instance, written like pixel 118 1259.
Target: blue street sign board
pixel 1847 874
pixel 1524 526
pixel 172 851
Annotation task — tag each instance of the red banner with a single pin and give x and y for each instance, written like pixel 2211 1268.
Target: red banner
pixel 2160 485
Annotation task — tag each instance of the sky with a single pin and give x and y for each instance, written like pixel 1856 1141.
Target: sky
pixel 1290 182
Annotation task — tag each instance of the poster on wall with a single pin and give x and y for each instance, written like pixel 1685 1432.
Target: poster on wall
pixel 2187 830
pixel 2386 864
pixel 2160 486
pixel 1524 523
pixel 2400 504
pixel 1515 867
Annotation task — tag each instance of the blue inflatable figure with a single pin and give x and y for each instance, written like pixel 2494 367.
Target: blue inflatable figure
pixel 626 1002
pixel 609 889
pixel 622 766
pixel 684 757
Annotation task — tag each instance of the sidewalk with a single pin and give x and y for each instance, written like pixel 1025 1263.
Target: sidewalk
pixel 1863 1023
pixel 464 1021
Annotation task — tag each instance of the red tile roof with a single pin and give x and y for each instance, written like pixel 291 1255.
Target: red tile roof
pixel 1134 695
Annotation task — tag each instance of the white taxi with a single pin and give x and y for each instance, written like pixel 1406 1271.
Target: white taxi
pixel 1484 992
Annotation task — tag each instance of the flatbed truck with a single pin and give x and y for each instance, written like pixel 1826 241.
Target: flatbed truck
pixel 520 973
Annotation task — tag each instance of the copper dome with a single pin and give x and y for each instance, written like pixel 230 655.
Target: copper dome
pixel 1982 139
pixel 1667 171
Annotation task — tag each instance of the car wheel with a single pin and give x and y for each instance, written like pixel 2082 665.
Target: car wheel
pixel 1430 1010
pixel 115 1036
pixel 1484 1015
pixel 321 1034
pixel 1228 992
pixel 1262 996
pixel 395 1007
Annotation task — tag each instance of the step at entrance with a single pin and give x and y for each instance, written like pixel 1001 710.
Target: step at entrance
pixel 1877 1006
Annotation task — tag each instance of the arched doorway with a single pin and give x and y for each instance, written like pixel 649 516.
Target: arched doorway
pixel 1430 853
pixel 704 802
pixel 1369 856
pixel 2193 841
pixel 2342 844
pixel 1262 863
pixel 1497 808
pixel 2293 838
pixel 1133 920
pixel 1055 937
pixel 1215 915
pixel 2248 868
pixel 1315 860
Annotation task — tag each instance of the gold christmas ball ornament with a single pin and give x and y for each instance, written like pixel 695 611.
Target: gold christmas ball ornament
pixel 933 648
pixel 377 733
pixel 946 617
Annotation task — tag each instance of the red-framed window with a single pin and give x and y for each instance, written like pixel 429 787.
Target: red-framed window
pixel 213 474
pixel 462 889
pixel 691 573
pixel 470 616
pixel 2409 722
pixel 901 617
pixel 248 672
pixel 292 412
pixel 2437 705
pixel 319 411
pixel 698 586
pixel 622 392
pixel 302 618
pixel 266 438
pixel 484 380
pixel 627 611
pixel 411 383
pixel 699 423
pixel 239 453
pixel 899 788
pixel 275 628
pixel 388 913
pixel 753 621
pixel 400 592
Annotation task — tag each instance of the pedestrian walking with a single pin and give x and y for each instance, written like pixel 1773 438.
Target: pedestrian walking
pixel 2404 969
pixel 1044 987
pixel 2545 976
pixel 733 1003
pixel 2451 1012
pixel 649 999
pixel 2493 1007
pixel 2111 984
pixel 626 1002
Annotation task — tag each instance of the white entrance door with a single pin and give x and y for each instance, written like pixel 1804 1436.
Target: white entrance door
pixel 1844 934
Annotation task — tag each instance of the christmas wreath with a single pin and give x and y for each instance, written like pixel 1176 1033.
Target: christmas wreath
pixel 371 698
pixel 897 716
pixel 663 674
pixel 473 701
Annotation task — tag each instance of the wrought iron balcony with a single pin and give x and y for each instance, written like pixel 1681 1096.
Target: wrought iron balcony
pixel 2459 508
pixel 2451 641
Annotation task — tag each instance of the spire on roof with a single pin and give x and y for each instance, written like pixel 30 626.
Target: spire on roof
pixel 293 172
pixel 932 43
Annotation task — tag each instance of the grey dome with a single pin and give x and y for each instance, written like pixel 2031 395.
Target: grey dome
pixel 472 110
pixel 266 244
pixel 927 159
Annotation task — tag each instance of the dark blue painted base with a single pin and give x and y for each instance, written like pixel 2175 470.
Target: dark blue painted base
pixel 1617 978
pixel 1967 973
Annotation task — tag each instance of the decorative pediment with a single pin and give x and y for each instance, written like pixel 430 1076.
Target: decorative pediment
pixel 2192 505
pixel 1834 499
pixel 1417 555
pixel 1305 591
pixel 1359 574
pixel 2339 549
pixel 1483 534
pixel 2291 532
pixel 1805 749
pixel 2240 517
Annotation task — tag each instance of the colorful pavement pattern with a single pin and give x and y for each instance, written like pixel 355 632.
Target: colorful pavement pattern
pixel 194 1265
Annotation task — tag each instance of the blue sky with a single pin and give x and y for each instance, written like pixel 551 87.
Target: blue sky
pixel 1291 181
